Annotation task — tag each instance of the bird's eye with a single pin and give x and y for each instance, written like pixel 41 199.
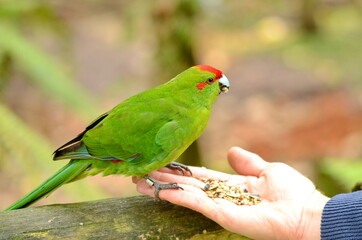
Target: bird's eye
pixel 209 80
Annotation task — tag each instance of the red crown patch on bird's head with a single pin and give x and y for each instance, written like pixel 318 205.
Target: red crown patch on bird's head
pixel 208 68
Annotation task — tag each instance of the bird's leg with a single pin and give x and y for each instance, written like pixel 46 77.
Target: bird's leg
pixel 158 186
pixel 179 166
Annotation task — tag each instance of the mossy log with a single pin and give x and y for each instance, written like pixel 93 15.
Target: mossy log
pixel 138 217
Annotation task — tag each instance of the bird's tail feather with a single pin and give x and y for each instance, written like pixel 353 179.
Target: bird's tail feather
pixel 64 175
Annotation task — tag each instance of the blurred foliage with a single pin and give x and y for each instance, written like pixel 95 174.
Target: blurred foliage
pixel 26 149
pixel 30 153
pixel 175 26
pixel 22 145
pixel 335 53
pixel 338 175
pixel 40 67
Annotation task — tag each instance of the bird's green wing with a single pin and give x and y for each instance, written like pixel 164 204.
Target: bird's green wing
pixel 123 136
pixel 75 148
pixel 101 145
pixel 169 135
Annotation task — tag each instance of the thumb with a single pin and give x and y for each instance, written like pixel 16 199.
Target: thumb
pixel 246 163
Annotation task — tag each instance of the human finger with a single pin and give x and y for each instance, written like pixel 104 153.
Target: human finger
pixel 135 179
pixel 245 162
pixel 200 172
pixel 203 174
pixel 179 179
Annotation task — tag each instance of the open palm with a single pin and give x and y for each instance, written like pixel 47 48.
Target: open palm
pixel 291 207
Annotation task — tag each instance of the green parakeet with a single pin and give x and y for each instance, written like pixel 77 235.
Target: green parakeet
pixel 140 135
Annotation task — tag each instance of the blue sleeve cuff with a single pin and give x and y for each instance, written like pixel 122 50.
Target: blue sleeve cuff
pixel 342 217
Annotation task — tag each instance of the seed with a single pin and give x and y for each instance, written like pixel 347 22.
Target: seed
pixel 235 194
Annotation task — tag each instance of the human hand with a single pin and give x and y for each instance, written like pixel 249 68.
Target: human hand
pixel 291 207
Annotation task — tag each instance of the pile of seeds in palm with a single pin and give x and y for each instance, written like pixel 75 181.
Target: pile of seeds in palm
pixel 221 189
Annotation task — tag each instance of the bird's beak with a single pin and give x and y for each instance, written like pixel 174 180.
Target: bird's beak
pixel 224 84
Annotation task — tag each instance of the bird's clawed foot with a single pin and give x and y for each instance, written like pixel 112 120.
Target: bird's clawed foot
pixel 180 167
pixel 158 186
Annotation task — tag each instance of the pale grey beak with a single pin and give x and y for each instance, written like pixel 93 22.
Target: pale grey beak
pixel 224 84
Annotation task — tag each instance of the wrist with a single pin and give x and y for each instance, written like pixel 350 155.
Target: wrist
pixel 312 216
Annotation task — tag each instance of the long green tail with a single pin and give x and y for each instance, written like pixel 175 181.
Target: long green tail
pixel 64 175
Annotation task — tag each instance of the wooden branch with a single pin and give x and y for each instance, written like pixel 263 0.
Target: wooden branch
pixel 137 217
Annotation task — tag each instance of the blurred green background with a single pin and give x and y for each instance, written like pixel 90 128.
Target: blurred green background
pixel 294 67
